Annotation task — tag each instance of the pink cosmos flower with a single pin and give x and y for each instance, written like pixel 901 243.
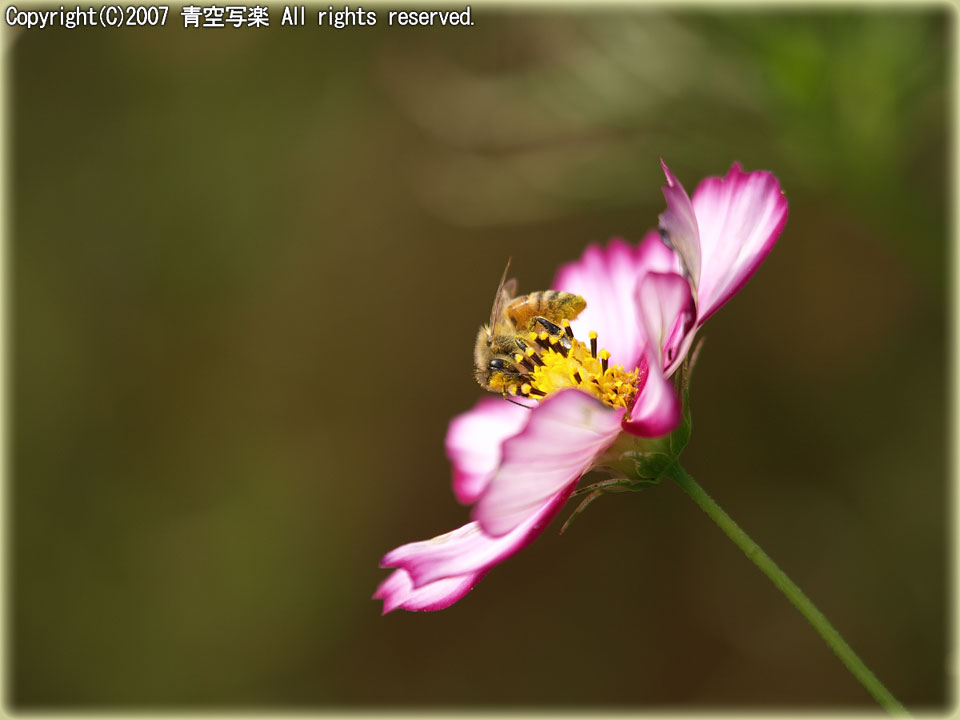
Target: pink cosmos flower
pixel 517 465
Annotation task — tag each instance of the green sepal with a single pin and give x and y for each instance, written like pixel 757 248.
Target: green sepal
pixel 602 488
pixel 648 466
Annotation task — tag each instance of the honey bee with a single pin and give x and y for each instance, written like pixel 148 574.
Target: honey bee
pixel 511 319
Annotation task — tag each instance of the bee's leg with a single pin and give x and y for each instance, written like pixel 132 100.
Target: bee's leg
pixel 506 368
pixel 530 360
pixel 548 326
pixel 554 330
pixel 510 399
pixel 518 377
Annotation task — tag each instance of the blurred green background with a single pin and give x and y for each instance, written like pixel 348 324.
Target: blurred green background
pixel 247 268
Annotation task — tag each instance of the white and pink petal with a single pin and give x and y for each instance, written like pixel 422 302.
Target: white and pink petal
pixel 397 591
pixel 565 434
pixel 680 225
pixel 668 314
pixel 473 443
pixel 740 216
pixel 607 279
pixel 657 410
pixel 468 550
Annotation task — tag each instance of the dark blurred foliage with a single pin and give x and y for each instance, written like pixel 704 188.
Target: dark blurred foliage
pixel 246 271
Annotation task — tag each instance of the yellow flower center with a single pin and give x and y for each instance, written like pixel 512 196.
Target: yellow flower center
pixel 556 362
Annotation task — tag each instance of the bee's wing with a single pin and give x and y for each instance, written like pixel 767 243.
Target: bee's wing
pixel 505 292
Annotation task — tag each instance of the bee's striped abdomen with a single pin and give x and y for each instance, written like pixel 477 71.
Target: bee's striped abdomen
pixel 554 305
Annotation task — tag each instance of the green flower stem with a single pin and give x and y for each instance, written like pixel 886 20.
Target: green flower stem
pixel 788 588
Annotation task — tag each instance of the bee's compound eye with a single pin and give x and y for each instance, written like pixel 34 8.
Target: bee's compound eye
pixel 496 364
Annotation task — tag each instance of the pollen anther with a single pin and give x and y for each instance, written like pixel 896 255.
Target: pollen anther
pixel 532 354
pixel 569 363
pixel 561 347
pixel 604 359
